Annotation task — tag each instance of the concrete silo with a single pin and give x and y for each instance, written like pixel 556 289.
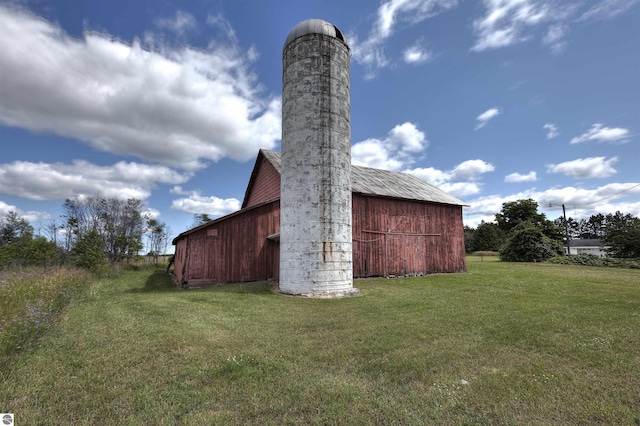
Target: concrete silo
pixel 315 215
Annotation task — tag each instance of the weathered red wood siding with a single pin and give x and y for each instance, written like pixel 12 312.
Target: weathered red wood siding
pixel 391 237
pixel 234 248
pixel 400 237
pixel 266 184
pixel 179 260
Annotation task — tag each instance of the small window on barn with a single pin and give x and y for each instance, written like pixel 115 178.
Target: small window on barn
pixel 212 232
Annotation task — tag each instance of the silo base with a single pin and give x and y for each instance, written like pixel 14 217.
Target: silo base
pixel 352 292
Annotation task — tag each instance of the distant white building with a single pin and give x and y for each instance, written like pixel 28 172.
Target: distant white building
pixel 588 246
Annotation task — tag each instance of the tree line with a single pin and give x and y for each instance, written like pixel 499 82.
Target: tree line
pixel 93 232
pixel 520 233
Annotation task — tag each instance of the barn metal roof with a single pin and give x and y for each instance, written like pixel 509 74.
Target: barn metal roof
pixel 314 26
pixel 384 183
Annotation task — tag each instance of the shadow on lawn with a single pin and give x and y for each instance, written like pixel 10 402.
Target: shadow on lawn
pixel 158 281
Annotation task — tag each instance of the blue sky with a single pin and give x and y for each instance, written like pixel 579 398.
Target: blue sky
pixel 170 101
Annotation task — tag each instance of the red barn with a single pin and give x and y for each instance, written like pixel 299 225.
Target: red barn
pixel 402 226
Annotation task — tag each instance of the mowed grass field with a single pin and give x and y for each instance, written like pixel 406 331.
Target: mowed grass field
pixel 505 343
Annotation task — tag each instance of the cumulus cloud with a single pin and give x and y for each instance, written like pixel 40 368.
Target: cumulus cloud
pixel 460 181
pixel 552 130
pixel 178 106
pixel 29 216
pixel 392 13
pixel 416 54
pixel 582 202
pixel 599 133
pixel 6 208
pixel 42 181
pixel 196 203
pixel 517 177
pixel 585 168
pixel 402 146
pixel 484 118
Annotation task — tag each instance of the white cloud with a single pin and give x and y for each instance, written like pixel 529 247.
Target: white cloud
pixel 607 9
pixel 603 134
pixel 585 168
pixel 223 27
pixel 42 181
pixel 177 106
pixel 484 118
pixel 198 204
pixel 552 130
pixel 517 177
pixel 580 202
pixel 459 181
pixel 6 208
pixel 509 22
pixel 461 189
pixel 416 54
pixel 471 170
pixel 370 52
pixel 555 38
pixel 404 143
pixel 181 23
pixel 506 22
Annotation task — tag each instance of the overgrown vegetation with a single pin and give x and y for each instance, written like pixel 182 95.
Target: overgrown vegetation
pixel 96 231
pixel 593 260
pixel 30 302
pixel 507 343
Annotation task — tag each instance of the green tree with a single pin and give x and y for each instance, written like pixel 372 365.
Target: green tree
pixel 15 239
pixel 514 213
pixel 120 223
pixel 468 238
pixel 13 227
pixel 488 237
pixel 89 252
pixel 200 219
pixel 528 243
pixel 622 235
pixel 42 252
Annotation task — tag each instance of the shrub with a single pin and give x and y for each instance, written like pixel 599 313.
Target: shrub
pixel 528 243
pixel 593 260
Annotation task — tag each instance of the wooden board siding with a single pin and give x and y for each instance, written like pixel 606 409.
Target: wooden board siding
pixel 234 248
pixel 394 237
pixel 265 184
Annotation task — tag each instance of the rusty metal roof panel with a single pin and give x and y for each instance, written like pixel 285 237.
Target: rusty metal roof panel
pixel 384 183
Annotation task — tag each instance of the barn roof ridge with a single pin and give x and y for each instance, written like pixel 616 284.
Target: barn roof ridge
pixel 379 182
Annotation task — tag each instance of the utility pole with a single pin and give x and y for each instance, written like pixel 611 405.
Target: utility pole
pixel 566 227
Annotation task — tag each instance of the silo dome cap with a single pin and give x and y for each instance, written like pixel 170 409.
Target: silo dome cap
pixel 315 26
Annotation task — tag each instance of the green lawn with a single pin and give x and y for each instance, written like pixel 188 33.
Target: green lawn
pixel 504 344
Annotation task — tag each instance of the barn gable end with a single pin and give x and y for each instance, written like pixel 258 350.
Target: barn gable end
pixel 264 184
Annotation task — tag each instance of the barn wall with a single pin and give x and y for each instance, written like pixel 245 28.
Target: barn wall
pixel 399 237
pixel 232 249
pixel 266 185
pixel 179 259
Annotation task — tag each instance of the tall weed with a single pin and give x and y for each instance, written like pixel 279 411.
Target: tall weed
pixel 30 301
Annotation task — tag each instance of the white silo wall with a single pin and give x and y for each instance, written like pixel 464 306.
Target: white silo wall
pixel 315 221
